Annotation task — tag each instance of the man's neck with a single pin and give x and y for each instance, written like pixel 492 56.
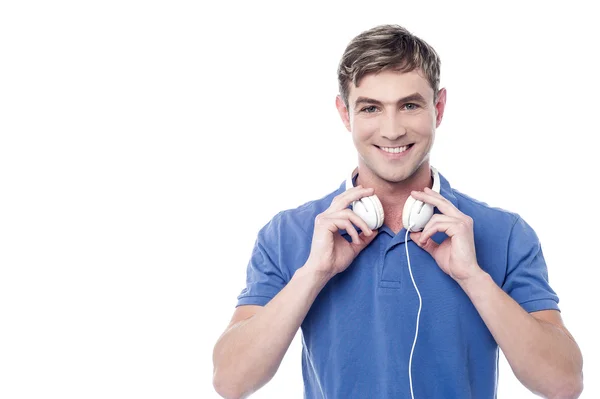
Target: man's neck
pixel 393 196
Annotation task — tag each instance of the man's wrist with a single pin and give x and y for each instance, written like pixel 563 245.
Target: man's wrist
pixel 477 282
pixel 313 274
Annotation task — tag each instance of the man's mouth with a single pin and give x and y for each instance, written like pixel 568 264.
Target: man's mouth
pixel 395 150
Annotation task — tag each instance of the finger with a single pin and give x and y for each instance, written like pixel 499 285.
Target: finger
pixel 430 246
pixel 440 217
pixel 435 199
pixel 344 224
pixel 354 218
pixel 431 229
pixel 437 218
pixel 344 199
pixel 366 240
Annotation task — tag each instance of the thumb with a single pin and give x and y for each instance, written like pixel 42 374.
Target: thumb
pixel 366 240
pixel 430 246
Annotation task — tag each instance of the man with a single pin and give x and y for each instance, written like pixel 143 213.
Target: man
pixel 480 271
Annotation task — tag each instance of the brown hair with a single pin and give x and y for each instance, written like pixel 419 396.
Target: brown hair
pixel 387 47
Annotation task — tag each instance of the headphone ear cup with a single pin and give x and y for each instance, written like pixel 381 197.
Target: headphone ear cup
pixel 420 219
pixel 370 210
pixel 409 205
pixel 378 211
pixel 416 214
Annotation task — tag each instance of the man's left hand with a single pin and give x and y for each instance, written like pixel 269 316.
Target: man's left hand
pixel 456 254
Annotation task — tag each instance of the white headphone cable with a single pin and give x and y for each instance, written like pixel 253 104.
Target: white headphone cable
pixel 418 314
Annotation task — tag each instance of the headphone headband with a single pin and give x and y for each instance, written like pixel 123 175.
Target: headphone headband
pixel 350 179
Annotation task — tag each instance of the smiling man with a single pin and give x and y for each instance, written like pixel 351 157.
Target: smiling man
pixel 367 330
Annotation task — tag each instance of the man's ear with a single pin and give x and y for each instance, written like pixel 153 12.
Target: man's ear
pixel 343 111
pixel 440 106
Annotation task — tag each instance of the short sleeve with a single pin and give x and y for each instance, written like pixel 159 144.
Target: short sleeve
pixel 527 274
pixel 264 278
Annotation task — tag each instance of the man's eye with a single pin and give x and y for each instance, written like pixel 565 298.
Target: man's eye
pixel 411 106
pixel 370 109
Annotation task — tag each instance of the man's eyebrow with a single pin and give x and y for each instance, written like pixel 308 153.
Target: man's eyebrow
pixel 411 97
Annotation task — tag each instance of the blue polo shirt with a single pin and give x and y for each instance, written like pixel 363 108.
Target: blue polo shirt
pixel 358 334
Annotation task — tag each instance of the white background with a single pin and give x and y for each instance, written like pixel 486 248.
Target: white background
pixel 143 145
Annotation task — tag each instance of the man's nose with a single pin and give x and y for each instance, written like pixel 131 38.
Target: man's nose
pixel 392 127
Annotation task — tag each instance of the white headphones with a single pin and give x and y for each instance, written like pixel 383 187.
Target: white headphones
pixel 415 213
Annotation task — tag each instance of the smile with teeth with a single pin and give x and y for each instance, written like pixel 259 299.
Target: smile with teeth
pixel 396 150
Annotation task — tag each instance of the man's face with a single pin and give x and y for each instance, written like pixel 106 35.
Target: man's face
pixel 393 119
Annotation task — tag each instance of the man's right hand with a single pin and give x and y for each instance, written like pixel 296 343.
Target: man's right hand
pixel 248 353
pixel 330 252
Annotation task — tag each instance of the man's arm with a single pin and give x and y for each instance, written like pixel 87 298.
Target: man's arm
pixel 541 352
pixel 249 352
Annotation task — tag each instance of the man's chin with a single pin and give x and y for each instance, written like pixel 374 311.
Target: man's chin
pixel 397 174
pixel 393 176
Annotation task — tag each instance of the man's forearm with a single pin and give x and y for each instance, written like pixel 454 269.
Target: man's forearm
pixel 543 356
pixel 249 353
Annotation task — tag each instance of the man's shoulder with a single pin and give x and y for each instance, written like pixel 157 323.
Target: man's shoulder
pixel 482 212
